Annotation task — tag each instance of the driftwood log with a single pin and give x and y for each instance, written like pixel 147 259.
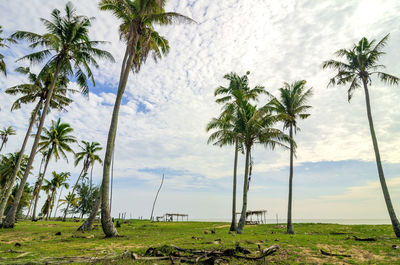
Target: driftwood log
pixel 364 239
pixel 333 254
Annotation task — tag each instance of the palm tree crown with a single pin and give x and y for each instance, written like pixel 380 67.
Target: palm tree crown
pixel 361 62
pixel 67 44
pixel 137 30
pixel 4 135
pixel 57 139
pixel 291 104
pixel 3 44
pixel 88 153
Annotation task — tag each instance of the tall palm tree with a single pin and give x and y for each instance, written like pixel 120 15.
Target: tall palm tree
pixel 136 30
pixel 361 62
pixel 3 44
pixel 70 49
pixel 292 106
pixel 58 180
pixel 231 96
pixel 4 135
pixel 256 126
pixel 89 157
pixel 56 141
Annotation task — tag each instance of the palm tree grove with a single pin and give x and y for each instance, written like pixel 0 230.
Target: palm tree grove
pixel 199 132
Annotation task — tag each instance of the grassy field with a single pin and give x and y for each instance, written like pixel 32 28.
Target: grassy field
pixel 37 243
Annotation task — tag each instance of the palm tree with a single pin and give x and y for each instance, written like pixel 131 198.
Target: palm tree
pixel 291 107
pixel 237 91
pixel 136 30
pixel 89 157
pixel 56 141
pixel 58 180
pixel 4 45
pixel 70 199
pixel 256 127
pixel 361 62
pixel 7 165
pixel 4 135
pixel 70 49
pixel 88 224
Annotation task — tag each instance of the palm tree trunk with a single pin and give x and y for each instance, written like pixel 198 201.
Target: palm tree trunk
pixel 58 201
pixel 17 165
pixel 40 184
pixel 106 221
pixel 2 144
pixel 88 224
pixel 233 224
pixel 112 181
pixel 51 204
pixel 83 172
pixel 242 220
pixel 386 195
pixel 289 217
pixel 10 218
pixel 91 173
pixel 35 189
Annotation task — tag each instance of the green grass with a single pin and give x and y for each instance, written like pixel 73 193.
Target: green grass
pixel 39 242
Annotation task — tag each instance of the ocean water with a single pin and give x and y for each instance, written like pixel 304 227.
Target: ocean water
pixel 324 221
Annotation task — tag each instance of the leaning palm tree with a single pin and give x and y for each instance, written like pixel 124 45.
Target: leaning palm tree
pixel 291 106
pixel 88 156
pixel 136 30
pixel 226 134
pixel 56 141
pixel 361 62
pixel 70 49
pixel 3 44
pixel 256 127
pixel 4 135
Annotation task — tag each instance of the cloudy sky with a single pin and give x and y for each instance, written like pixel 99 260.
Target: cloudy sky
pixel 168 104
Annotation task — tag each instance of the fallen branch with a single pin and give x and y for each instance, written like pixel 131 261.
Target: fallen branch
pixel 334 255
pixel 364 239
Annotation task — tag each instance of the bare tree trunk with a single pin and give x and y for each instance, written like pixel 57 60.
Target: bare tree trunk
pixel 106 221
pixel 17 165
pixel 233 224
pixel 83 172
pixel 155 200
pixel 40 184
pixel 10 218
pixel 242 220
pixel 289 218
pixel 88 224
pixel 386 195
